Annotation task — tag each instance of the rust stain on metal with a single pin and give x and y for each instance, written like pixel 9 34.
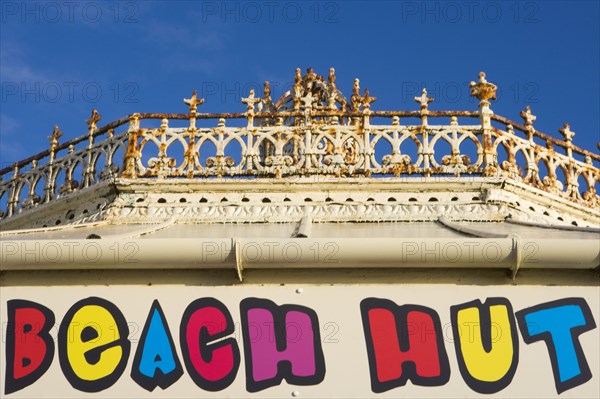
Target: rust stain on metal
pixel 313 129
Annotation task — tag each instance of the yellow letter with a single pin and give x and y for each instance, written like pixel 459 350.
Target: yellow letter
pixel 486 343
pixel 93 345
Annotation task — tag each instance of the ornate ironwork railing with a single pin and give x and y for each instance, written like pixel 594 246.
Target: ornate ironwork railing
pixel 311 130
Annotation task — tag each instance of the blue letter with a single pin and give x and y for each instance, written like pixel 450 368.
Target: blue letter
pixel 559 323
pixel 156 362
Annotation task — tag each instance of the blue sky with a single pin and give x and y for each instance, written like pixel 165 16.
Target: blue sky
pixel 60 59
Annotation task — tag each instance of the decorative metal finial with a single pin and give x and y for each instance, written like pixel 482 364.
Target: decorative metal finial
pixel 56 134
pixel 297 89
pixel 310 74
pixel 423 100
pixel 250 101
pixel 483 90
pixel 566 132
pixel 356 87
pixel 94 118
pixel 528 117
pixel 356 99
pixel 332 76
pixel 367 100
pixel 266 103
pixel 193 102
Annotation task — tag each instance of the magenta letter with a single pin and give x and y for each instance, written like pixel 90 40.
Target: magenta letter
pixel 280 342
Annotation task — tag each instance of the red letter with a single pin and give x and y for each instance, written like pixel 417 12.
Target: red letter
pixel 29 347
pixel 403 343
pixel 211 365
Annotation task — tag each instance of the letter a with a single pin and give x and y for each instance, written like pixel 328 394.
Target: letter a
pixel 156 363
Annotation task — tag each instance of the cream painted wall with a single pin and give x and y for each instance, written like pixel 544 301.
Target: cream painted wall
pixel 342 337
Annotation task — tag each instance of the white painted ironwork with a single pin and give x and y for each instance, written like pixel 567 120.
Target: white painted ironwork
pixel 310 131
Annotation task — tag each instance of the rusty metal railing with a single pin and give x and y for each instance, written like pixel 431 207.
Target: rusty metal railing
pixel 308 131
